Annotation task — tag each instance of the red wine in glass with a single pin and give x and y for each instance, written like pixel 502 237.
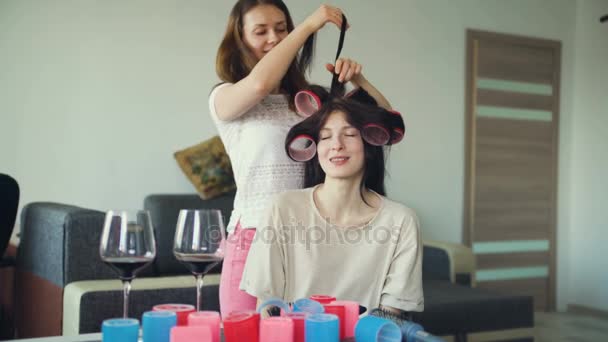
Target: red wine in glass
pixel 127 267
pixel 199 237
pixel 127 245
pixel 198 264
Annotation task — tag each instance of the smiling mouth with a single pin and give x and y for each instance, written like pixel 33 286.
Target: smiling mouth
pixel 339 160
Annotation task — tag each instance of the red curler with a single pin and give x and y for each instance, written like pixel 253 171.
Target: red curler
pixel 307 103
pixel 302 148
pixel 323 299
pixel 340 311
pixel 375 134
pixel 242 326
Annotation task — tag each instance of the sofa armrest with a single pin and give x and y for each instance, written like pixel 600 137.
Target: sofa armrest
pixel 449 261
pixel 87 303
pixel 60 243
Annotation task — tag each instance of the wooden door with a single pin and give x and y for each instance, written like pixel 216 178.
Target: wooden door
pixel 512 99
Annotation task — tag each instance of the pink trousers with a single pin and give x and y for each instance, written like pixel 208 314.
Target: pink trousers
pixel 237 248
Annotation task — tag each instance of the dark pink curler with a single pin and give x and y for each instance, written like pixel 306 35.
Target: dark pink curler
pixel 375 134
pixel 307 103
pixel 302 148
pixel 398 135
pixel 394 112
pixel 352 92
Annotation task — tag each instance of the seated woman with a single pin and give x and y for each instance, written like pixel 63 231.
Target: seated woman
pixel 340 236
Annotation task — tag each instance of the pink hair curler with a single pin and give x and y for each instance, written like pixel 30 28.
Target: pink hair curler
pixel 302 148
pixel 398 135
pixel 299 324
pixel 181 310
pixel 210 319
pixel 375 134
pixel 190 334
pixel 307 103
pixel 352 92
pixel 398 127
pixel 276 329
pixel 351 316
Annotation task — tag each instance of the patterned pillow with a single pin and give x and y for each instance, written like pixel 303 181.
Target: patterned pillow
pixel 208 167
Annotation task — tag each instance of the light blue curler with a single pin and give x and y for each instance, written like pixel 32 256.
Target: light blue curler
pixel 120 330
pixel 157 325
pixel 376 329
pixel 322 328
pixel 308 305
pixel 275 302
pixel 413 332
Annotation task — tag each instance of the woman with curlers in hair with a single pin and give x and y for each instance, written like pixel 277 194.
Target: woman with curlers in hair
pixel 340 236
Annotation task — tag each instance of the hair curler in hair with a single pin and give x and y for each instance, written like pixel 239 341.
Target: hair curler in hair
pixel 307 103
pixel 375 134
pixel 302 148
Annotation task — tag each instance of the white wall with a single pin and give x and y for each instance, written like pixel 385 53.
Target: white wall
pixel 99 94
pixel 588 264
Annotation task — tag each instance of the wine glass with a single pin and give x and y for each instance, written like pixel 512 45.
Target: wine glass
pixel 199 237
pixel 127 245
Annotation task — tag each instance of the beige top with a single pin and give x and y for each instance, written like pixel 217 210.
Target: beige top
pixel 297 253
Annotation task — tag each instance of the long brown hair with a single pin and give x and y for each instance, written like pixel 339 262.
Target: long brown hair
pixel 234 61
pixel 357 115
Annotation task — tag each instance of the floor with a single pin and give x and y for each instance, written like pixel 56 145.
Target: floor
pixel 561 327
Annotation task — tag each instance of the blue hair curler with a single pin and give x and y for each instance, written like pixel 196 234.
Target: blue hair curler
pixel 120 330
pixel 376 329
pixel 322 328
pixel 274 302
pixel 157 325
pixel 308 305
pixel 413 332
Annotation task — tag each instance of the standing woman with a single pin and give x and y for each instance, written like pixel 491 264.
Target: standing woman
pixel 253 109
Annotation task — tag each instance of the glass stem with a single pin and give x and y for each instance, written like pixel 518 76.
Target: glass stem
pixel 126 289
pixel 199 290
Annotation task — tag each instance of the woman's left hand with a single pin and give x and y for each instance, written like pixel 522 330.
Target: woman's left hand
pixel 348 69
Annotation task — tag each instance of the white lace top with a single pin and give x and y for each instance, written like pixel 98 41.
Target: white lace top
pixel 255 143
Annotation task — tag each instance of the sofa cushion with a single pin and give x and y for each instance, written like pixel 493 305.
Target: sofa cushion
pixel 208 168
pixel 87 303
pixel 164 210
pixel 451 309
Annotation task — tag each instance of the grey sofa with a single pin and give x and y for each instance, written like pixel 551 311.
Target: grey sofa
pixel 63 278
pixel 63 287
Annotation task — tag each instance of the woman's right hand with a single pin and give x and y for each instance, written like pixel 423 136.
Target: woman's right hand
pixel 323 15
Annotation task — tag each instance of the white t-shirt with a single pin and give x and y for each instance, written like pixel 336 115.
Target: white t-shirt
pixel 297 253
pixel 255 143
